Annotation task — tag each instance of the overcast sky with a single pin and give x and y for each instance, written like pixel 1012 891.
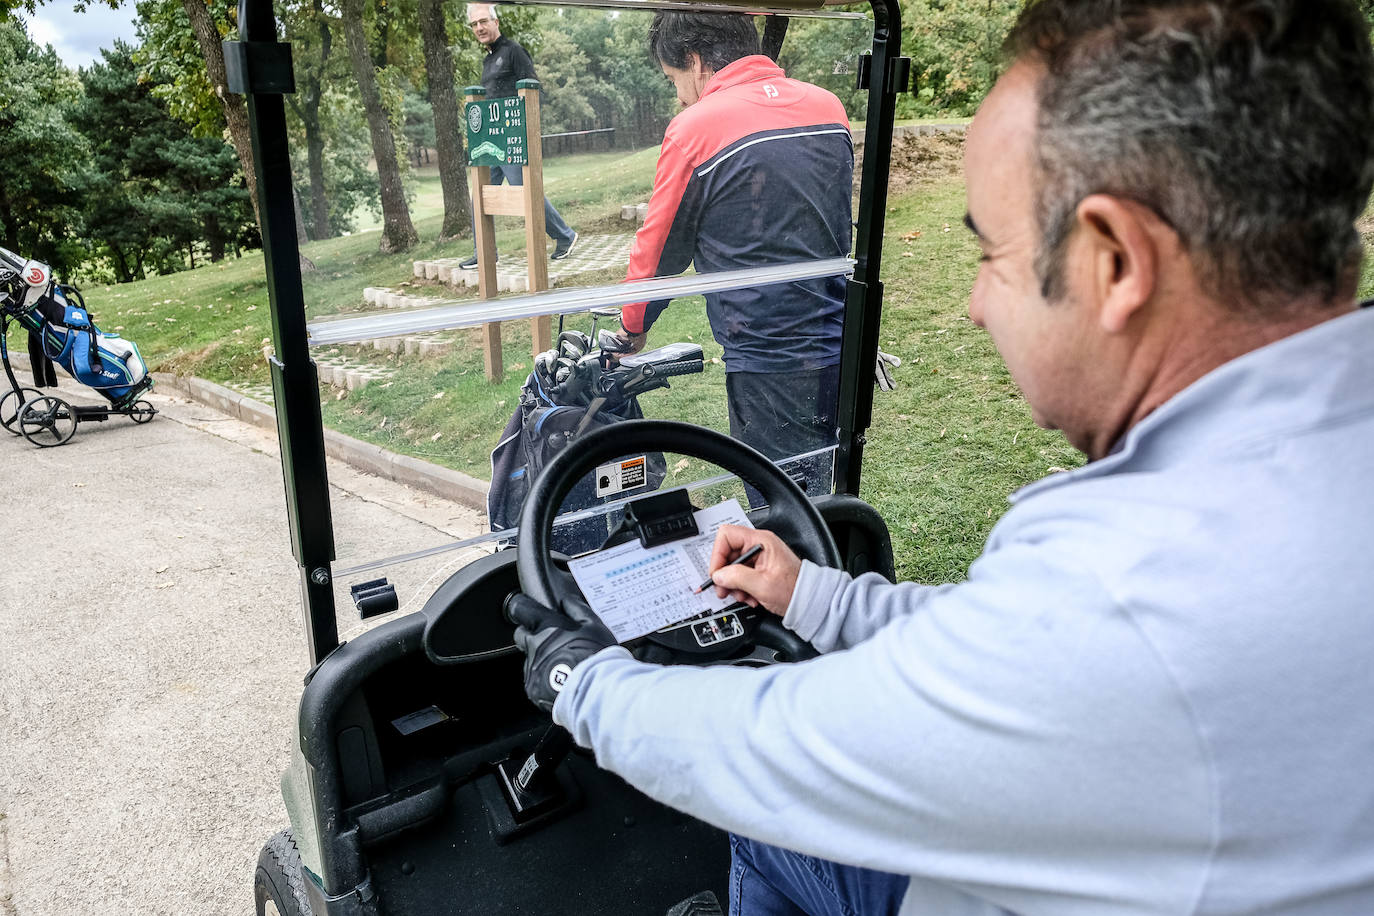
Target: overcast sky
pixel 78 37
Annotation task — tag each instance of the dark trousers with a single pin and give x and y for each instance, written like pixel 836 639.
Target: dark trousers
pixel 554 224
pixel 783 414
pixel 768 881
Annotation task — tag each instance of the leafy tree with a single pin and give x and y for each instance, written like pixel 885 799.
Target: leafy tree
pixel 568 89
pixel 115 111
pixel 309 30
pixel 398 232
pixel 826 52
pixel 31 6
pixel 598 73
pixel 153 192
pixel 344 157
pixel 446 119
pixel 41 166
pixel 418 124
pixel 956 52
pixel 191 72
pixel 171 61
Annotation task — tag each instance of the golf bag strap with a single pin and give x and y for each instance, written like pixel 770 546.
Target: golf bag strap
pixel 96 364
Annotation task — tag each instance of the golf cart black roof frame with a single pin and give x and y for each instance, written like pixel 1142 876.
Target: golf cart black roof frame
pixel 259 67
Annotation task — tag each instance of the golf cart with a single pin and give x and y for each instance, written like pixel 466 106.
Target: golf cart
pixel 423 779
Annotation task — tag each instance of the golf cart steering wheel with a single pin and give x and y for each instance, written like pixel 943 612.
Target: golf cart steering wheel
pixel 791 515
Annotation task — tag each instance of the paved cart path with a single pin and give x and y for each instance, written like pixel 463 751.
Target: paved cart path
pixel 151 655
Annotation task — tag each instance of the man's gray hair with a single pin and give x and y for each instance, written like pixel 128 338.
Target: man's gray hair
pixel 1246 125
pixel 490 6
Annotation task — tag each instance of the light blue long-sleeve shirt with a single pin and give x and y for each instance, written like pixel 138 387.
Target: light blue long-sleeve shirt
pixel 1154 693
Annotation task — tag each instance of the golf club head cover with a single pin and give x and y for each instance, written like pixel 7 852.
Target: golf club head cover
pixel 554 643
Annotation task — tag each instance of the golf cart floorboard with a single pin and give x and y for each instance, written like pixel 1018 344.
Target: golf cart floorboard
pixel 616 852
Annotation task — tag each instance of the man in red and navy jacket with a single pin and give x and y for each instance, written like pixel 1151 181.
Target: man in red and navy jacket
pixel 756 170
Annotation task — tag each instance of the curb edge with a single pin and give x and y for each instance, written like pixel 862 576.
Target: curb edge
pixel 364 456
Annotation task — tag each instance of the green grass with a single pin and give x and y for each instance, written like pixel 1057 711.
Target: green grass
pixel 956 436
pixel 943 452
pixel 581 186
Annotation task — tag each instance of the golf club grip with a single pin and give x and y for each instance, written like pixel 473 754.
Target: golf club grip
pixel 681 367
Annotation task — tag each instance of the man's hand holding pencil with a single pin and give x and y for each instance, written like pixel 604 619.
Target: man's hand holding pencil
pixel 753 566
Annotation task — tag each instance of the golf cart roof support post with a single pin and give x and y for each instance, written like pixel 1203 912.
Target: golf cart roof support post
pixel 863 304
pixel 294 381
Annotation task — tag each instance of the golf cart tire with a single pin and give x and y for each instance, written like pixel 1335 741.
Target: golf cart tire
pixel 280 879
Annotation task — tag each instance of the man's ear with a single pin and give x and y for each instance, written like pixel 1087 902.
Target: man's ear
pixel 1122 255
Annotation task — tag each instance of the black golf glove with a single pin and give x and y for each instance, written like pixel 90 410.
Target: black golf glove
pixel 554 643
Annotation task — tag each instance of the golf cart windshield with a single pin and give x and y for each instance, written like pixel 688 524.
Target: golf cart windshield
pixel 700 278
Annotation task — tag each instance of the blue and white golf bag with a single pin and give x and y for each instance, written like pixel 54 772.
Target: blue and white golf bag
pixel 55 313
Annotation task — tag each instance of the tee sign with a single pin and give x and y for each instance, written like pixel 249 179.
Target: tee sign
pixel 495 131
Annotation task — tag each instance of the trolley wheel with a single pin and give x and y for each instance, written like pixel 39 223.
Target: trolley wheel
pixel 10 404
pixel 142 412
pixel 47 421
pixel 279 883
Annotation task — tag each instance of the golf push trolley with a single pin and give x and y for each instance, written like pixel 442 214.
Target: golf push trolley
pixel 56 319
pixel 422 780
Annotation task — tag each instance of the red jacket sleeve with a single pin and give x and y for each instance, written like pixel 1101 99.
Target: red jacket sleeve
pixel 665 244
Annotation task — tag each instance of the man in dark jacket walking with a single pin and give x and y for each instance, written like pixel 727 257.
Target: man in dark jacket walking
pixel 506 64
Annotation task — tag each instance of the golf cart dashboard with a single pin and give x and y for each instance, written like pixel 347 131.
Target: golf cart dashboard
pixel 465 623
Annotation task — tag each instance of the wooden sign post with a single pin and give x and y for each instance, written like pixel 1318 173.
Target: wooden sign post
pixel 537 271
pixel 497 133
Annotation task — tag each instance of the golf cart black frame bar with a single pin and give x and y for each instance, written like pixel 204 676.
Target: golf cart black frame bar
pixel 259 67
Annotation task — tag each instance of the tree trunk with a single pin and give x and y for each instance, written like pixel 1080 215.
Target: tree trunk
pixel 9 224
pixel 307 108
pixel 314 137
pixel 448 129
pixel 235 110
pixel 398 233
pixel 214 238
pixel 301 235
pixel 319 201
pixel 121 266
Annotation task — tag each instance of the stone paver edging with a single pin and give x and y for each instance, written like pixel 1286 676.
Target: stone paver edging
pixel 373 459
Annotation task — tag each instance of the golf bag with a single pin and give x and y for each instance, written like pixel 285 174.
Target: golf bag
pixel 572 390
pixel 57 315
